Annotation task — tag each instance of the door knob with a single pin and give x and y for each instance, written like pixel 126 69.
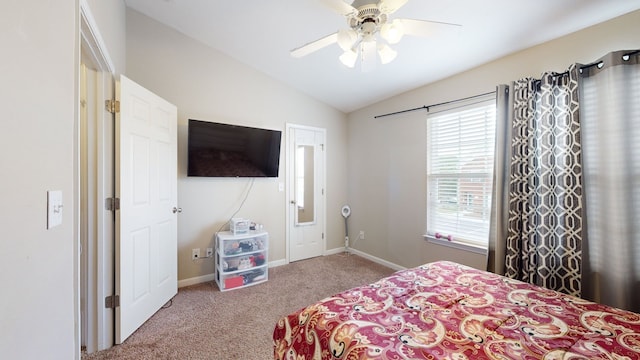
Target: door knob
pixel 177 210
pixel 293 202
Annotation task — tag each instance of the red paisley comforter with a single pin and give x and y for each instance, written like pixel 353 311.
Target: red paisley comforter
pixel 444 310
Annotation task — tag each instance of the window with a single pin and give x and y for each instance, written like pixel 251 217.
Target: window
pixel 460 147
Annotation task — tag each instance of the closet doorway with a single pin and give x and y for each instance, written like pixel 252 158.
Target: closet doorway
pixel 127 196
pixel 96 183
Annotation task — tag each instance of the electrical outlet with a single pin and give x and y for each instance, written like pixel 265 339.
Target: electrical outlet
pixel 361 235
pixel 209 252
pixel 195 254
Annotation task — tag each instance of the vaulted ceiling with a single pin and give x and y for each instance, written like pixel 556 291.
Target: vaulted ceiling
pixel 261 34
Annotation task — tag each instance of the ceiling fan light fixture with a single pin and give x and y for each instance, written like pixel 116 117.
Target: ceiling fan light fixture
pixel 346 39
pixel 348 58
pixel 392 32
pixel 386 53
pixel 370 30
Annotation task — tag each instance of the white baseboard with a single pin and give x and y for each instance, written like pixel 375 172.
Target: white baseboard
pixel 212 277
pixel 196 280
pixel 278 263
pixel 339 250
pixel 376 259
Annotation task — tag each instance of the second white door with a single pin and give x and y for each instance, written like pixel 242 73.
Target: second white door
pixel 306 191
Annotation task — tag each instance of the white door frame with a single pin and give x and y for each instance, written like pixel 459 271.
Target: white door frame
pixel 99 282
pixel 290 185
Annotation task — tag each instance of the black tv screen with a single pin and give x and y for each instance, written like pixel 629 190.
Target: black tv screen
pixel 224 150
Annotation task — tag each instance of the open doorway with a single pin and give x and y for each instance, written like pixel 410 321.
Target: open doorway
pixel 128 257
pixel 96 169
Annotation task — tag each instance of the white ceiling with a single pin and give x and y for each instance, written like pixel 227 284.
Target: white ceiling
pixel 261 33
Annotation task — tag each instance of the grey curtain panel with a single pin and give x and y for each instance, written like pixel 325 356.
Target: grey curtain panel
pixel 498 228
pixel 610 116
pixel 566 211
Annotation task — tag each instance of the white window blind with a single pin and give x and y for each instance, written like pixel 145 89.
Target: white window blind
pixel 460 147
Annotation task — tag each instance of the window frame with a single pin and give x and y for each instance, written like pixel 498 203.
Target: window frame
pixel 455 110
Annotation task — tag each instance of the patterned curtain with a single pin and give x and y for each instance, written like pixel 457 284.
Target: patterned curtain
pixel 544 236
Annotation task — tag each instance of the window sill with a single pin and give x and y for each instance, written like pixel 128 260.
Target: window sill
pixel 457 245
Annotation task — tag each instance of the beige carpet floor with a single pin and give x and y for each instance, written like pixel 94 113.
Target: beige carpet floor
pixel 204 323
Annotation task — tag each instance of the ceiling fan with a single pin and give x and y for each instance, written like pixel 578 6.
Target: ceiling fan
pixel 370 31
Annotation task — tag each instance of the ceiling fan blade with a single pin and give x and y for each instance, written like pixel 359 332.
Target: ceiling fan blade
pixel 390 6
pixel 340 7
pixel 316 45
pixel 427 28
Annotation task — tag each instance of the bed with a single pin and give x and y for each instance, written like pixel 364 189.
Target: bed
pixel 444 310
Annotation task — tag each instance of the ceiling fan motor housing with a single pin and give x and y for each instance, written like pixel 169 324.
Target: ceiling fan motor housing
pixel 368 20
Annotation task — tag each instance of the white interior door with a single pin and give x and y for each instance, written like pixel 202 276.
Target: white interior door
pixel 306 191
pixel 146 224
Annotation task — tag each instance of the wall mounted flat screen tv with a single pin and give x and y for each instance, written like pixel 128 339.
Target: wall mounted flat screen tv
pixel 224 150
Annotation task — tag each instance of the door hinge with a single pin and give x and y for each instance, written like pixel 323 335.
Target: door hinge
pixel 112 204
pixel 112 302
pixel 322 236
pixel 112 106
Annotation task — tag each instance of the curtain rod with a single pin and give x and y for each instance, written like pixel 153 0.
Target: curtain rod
pixel 597 63
pixel 487 93
pixel 433 105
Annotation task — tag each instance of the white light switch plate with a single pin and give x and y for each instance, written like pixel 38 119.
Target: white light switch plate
pixel 54 208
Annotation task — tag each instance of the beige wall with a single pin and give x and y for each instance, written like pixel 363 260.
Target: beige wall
pixel 387 156
pixel 207 85
pixel 39 312
pixel 109 16
pixel 37 266
pixel 38 308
